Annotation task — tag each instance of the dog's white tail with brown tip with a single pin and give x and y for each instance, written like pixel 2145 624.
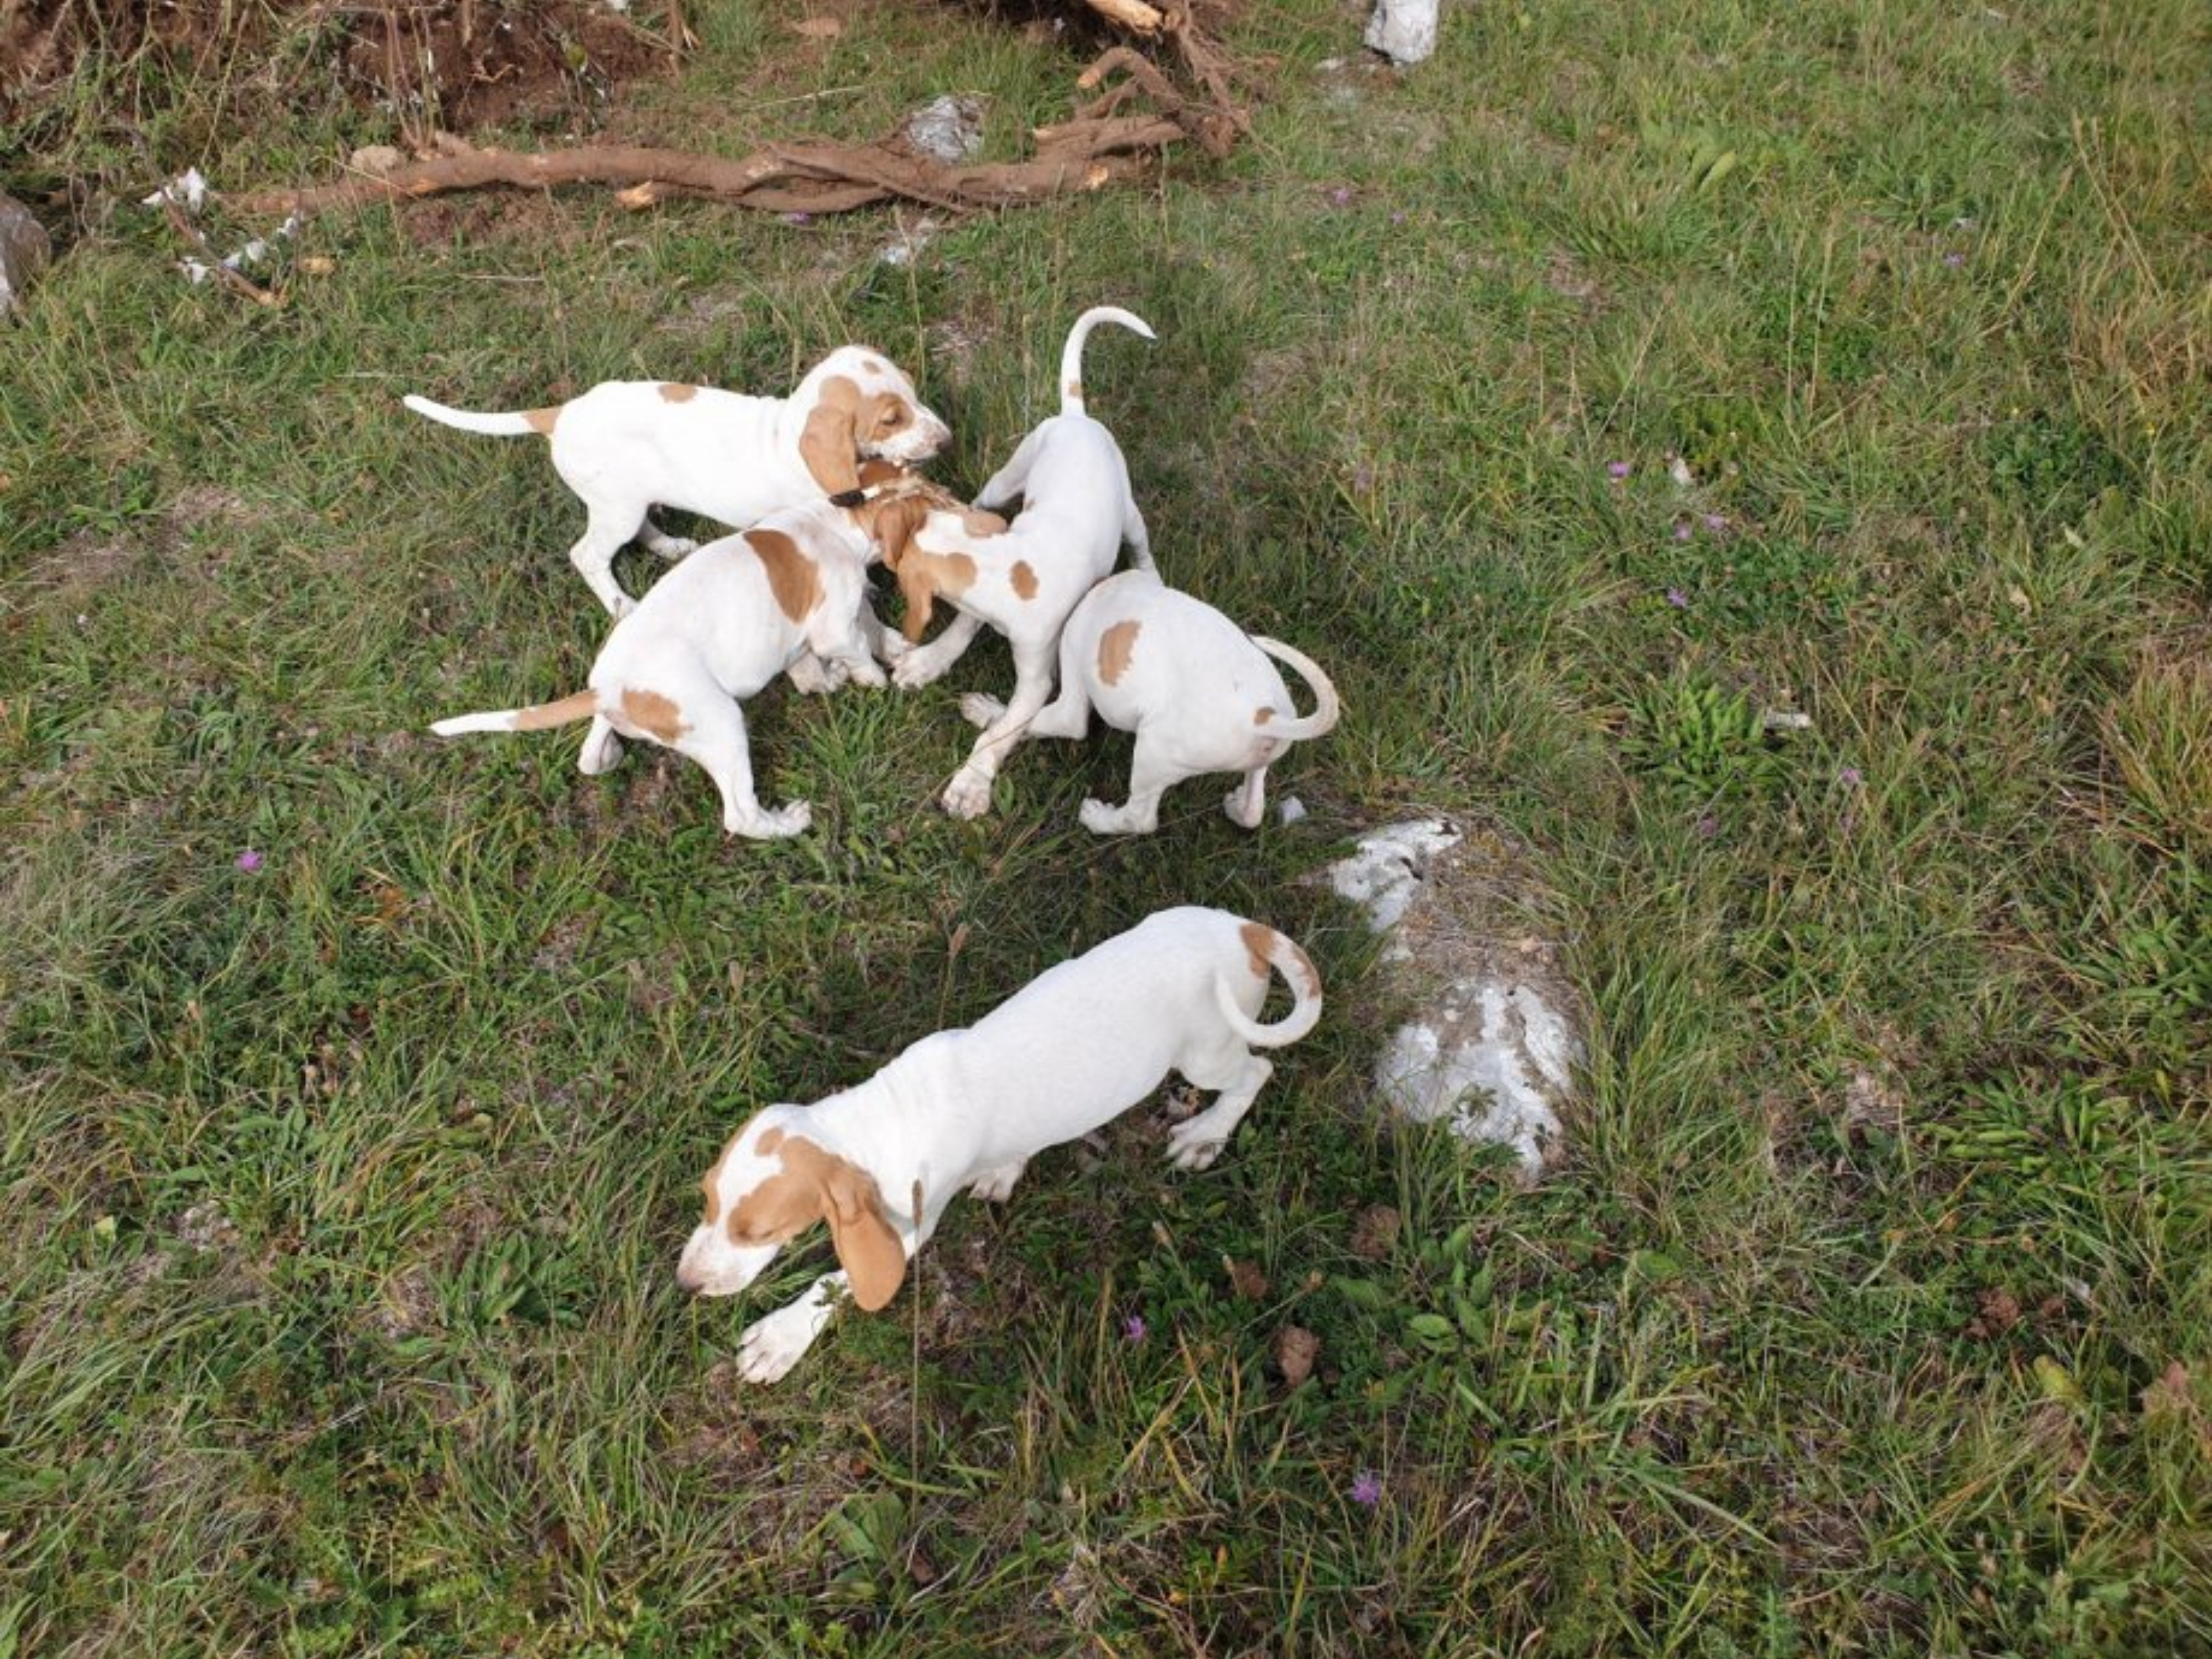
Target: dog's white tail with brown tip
pixel 1298 971
pixel 1325 707
pixel 538 717
pixel 512 424
pixel 1071 356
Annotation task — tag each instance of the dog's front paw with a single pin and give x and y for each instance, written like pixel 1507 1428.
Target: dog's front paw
pixel 968 795
pixel 813 677
pixel 620 606
pixel 1101 819
pixel 915 669
pixel 864 671
pixel 978 709
pixel 773 1345
pixel 997 1186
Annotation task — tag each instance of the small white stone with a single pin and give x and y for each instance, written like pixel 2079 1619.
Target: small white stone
pixel 1289 809
pixel 1385 873
pixel 1404 31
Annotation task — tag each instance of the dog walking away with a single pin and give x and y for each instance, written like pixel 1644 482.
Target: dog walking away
pixel 965 1110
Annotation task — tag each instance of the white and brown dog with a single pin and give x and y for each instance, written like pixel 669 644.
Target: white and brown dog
pixel 1197 692
pixel 628 446
pixel 1024 580
pixel 965 1110
pixel 790 593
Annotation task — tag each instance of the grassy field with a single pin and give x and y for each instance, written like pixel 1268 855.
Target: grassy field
pixel 1869 1308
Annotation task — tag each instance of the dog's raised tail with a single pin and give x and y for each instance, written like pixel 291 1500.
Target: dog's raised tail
pixel 1071 356
pixel 537 717
pixel 1325 707
pixel 510 423
pixel 1263 945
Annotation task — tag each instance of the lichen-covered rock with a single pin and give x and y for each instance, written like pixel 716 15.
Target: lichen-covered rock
pixel 1404 31
pixel 24 250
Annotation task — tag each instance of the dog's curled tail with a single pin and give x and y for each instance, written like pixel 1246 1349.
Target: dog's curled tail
pixel 536 717
pixel 1281 953
pixel 1325 707
pixel 1070 357
pixel 513 423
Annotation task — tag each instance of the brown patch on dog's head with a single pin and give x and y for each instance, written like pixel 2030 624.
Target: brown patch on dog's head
pixel 1115 646
pixel 827 443
pixel 814 1184
pixel 1262 716
pixel 1023 580
pixel 675 391
pixel 792 576
pixel 542 421
pixel 652 714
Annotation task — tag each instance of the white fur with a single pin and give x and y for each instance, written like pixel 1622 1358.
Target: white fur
pixel 625 447
pixel 967 1109
pixel 710 634
pixel 1191 686
pixel 1076 510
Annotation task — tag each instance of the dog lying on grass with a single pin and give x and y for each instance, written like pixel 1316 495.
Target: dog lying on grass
pixel 965 1110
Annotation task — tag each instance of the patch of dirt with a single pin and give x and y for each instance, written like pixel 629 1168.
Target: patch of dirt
pixel 455 64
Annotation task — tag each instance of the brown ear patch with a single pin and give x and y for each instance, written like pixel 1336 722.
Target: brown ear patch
pixel 826 442
pixel 814 1184
pixel 652 714
pixel 1023 580
pixel 542 421
pixel 1262 716
pixel 1115 646
pixel 675 391
pixel 924 577
pixel 792 576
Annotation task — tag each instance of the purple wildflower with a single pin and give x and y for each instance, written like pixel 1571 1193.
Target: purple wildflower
pixel 1682 532
pixel 1678 599
pixel 1715 522
pixel 1955 260
pixel 1708 827
pixel 1132 1328
pixel 249 860
pixel 1341 196
pixel 799 218
pixel 1398 216
pixel 1848 777
pixel 1362 477
pixel 1617 469
pixel 1367 1488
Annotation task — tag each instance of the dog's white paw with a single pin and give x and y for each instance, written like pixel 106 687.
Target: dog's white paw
pixel 813 677
pixel 620 606
pixel 600 756
pixel 864 671
pixel 968 795
pixel 1103 820
pixel 1195 1150
pixel 780 824
pixel 996 1186
pixel 773 1345
pixel 674 547
pixel 979 709
pixel 915 669
pixel 1233 805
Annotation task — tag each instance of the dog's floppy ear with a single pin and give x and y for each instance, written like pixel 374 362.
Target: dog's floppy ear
pixel 827 443
pixel 867 1246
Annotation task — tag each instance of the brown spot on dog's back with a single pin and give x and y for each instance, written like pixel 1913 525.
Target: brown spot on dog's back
pixel 1115 646
pixel 1024 579
pixel 792 576
pixel 1262 716
pixel 1259 944
pixel 675 391
pixel 654 715
pixel 873 365
pixel 542 421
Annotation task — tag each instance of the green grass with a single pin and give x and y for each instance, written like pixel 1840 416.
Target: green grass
pixel 1870 1310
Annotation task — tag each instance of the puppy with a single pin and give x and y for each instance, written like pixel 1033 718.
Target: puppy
pixel 967 1109
pixel 790 593
pixel 1076 512
pixel 627 446
pixel 1197 692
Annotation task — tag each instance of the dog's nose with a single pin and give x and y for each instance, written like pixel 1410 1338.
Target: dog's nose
pixel 687 1277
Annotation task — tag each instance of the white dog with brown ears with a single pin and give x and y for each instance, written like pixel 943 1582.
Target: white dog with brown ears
pixel 1197 692
pixel 1076 510
pixel 790 593
pixel 965 1110
pixel 627 446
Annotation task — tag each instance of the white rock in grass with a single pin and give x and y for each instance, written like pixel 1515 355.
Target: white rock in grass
pixel 1385 873
pixel 1404 31
pixel 948 129
pixel 1490 1059
pixel 24 250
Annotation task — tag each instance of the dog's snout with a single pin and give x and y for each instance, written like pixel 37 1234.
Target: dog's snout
pixel 687 1277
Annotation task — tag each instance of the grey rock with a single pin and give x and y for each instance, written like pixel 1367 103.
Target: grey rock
pixel 949 129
